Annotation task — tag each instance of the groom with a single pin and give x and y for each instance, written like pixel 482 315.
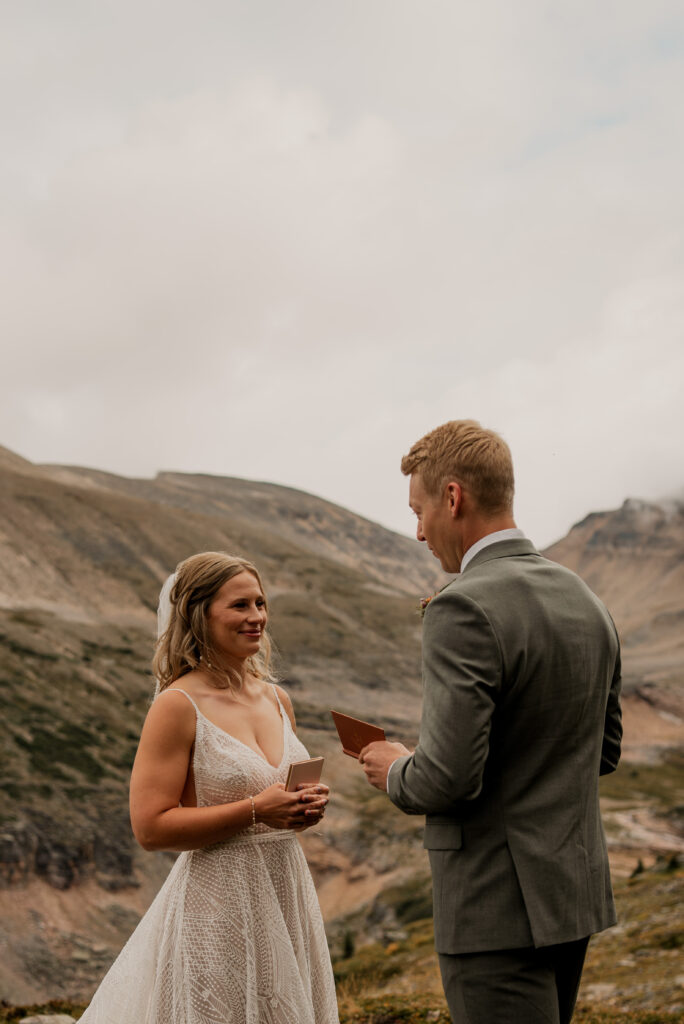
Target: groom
pixel 521 715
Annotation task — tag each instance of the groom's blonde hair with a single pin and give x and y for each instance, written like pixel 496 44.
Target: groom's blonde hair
pixel 476 458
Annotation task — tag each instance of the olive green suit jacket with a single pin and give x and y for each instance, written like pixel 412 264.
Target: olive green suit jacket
pixel 521 714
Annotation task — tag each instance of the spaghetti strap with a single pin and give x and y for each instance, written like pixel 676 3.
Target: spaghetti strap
pixel 177 689
pixel 283 711
pixel 277 697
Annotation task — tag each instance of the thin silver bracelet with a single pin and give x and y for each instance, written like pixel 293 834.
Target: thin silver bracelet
pixel 251 800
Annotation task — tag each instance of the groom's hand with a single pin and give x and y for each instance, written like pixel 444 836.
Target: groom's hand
pixel 376 759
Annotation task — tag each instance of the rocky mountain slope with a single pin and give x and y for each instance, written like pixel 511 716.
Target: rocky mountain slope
pixel 83 556
pixel 633 558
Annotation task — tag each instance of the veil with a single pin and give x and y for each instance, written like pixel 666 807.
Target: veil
pixel 164 612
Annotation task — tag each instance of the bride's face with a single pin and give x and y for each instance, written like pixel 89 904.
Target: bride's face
pixel 237 617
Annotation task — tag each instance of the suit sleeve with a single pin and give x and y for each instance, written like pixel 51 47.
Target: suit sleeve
pixel 462 671
pixel 612 730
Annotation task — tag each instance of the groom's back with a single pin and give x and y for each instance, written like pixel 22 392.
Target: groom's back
pixel 557 642
pixel 547 745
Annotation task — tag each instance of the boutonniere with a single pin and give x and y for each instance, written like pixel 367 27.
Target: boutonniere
pixel 424 602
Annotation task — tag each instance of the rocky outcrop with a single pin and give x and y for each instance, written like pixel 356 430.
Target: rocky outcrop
pixel 633 558
pixel 41 847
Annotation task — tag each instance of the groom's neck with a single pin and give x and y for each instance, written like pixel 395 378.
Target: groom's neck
pixel 480 526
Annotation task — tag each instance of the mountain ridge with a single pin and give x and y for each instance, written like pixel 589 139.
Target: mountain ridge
pixel 84 555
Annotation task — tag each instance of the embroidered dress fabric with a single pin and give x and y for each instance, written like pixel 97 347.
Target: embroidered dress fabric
pixel 235 935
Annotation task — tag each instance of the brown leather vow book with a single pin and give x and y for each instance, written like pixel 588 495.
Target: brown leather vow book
pixel 354 733
pixel 308 771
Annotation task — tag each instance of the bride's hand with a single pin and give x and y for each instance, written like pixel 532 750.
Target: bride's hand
pixel 315 798
pixel 277 808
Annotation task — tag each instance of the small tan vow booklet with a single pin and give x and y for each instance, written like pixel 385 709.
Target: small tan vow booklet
pixel 354 733
pixel 308 771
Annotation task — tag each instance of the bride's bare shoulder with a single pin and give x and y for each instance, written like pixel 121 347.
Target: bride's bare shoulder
pixel 171 710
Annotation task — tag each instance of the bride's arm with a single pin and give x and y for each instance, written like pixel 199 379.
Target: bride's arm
pixel 158 779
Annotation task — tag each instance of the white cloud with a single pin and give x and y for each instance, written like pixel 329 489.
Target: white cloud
pixel 285 247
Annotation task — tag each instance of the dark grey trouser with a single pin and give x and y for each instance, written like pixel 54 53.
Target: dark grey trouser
pixel 514 986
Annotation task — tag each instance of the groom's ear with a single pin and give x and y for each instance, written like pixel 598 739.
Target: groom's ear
pixel 454 496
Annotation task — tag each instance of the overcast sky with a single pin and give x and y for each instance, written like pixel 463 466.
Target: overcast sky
pixel 282 239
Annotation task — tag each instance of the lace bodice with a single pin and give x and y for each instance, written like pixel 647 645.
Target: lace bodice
pixel 226 770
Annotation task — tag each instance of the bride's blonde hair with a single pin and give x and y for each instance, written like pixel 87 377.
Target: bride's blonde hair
pixel 186 641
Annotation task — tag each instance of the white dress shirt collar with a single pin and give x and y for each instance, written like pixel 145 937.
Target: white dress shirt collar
pixel 491 538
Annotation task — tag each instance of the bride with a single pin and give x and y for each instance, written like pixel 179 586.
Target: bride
pixel 235 934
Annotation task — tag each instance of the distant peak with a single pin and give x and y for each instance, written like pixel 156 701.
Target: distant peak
pixel 667 508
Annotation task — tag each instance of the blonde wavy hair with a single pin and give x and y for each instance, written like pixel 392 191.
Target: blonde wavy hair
pixel 186 643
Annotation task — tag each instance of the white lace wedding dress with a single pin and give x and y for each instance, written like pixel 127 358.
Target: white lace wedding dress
pixel 235 935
